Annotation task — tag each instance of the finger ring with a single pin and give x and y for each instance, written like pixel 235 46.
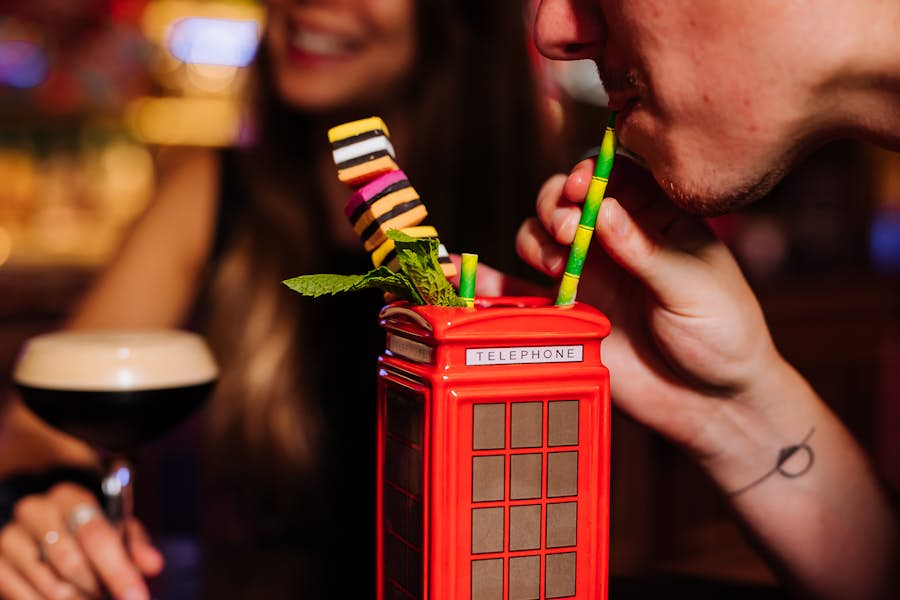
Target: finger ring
pixel 50 538
pixel 81 514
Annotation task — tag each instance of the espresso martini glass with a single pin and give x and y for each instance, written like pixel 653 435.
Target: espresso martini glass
pixel 115 390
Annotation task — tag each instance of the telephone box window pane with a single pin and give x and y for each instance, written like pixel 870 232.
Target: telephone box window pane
pixel 414 579
pixel 404 416
pixel 416 471
pixel 487 478
pixel 525 578
pixel 487 579
pixel 395 561
pixel 392 592
pixel 562 474
pixel 488 426
pixel 526 424
pixel 487 530
pixel 394 462
pixel 561 522
pixel 525 527
pixel 562 423
pixel 395 511
pixel 415 522
pixel 525 476
pixel 560 575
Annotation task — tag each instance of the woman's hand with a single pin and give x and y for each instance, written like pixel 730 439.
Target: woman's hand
pixel 59 545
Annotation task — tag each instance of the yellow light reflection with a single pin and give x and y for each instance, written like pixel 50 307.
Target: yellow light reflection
pixel 184 121
pixel 19 175
pixel 121 180
pixel 212 79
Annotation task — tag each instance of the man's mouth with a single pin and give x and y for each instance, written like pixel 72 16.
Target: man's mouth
pixel 623 88
pixel 621 103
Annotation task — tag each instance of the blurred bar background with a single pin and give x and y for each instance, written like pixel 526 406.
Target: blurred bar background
pixel 94 92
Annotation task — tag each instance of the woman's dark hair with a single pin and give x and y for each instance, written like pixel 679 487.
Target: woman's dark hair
pixel 477 154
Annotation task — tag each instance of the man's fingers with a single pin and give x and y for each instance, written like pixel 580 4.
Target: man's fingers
pixel 578 180
pixel 23 554
pixel 558 215
pixel 148 559
pixel 668 269
pixel 43 520
pixel 538 249
pixel 102 544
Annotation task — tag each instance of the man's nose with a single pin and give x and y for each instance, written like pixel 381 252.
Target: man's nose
pixel 569 29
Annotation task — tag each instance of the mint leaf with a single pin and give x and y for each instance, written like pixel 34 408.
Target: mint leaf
pixel 420 280
pixel 330 284
pixel 418 259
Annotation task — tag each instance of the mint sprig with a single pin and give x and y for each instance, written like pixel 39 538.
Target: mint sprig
pixel 420 280
pixel 418 259
pixel 328 284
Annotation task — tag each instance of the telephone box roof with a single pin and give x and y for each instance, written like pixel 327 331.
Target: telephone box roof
pixel 505 318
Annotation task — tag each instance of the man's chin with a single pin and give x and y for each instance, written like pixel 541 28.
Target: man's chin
pixel 716 198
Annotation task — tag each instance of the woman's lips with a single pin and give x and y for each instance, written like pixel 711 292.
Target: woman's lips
pixel 310 45
pixel 323 44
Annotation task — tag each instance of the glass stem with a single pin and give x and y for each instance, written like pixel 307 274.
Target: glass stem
pixel 119 494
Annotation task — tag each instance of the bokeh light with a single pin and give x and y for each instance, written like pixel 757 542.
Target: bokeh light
pixel 884 240
pixel 23 64
pixel 184 121
pixel 207 41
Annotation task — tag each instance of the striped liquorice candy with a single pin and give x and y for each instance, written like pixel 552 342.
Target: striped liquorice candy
pixel 386 189
pixel 447 265
pixel 388 202
pixel 362 150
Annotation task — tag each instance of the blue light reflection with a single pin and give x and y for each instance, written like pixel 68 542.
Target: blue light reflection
pixel 884 241
pixel 23 64
pixel 206 41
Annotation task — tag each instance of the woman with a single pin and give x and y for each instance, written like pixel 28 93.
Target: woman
pixel 451 79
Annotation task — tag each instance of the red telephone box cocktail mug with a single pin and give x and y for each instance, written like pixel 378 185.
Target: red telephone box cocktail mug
pixel 493 452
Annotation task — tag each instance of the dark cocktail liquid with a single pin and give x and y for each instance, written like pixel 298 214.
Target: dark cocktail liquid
pixel 117 421
pixel 115 389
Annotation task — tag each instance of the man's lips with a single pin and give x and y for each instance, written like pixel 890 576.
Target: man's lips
pixel 624 87
pixel 621 101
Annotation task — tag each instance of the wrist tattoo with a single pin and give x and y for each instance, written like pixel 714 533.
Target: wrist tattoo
pixel 803 450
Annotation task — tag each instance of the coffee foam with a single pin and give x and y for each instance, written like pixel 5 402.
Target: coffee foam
pixel 115 360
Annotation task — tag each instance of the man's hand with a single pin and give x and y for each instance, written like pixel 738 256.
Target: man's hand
pixel 687 332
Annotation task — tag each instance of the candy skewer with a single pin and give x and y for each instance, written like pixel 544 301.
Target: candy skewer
pixel 568 287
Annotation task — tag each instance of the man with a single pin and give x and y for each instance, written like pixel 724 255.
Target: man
pixel 720 98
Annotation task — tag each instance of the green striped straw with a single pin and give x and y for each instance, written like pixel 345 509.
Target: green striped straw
pixel 597 188
pixel 467 278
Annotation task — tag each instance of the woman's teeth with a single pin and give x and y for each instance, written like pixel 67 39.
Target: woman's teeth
pixel 319 43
